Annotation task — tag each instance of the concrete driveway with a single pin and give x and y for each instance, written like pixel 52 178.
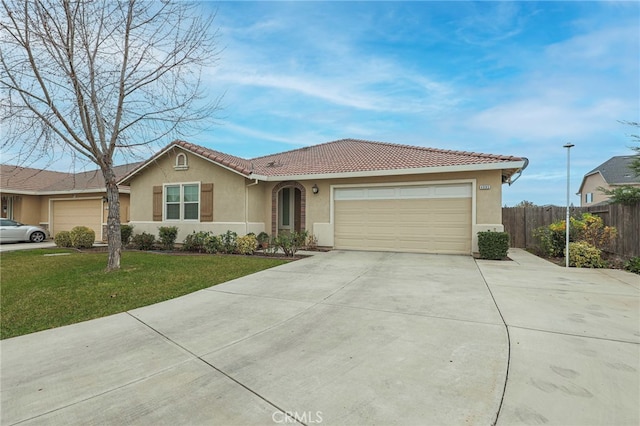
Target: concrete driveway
pixel 349 338
pixel 26 246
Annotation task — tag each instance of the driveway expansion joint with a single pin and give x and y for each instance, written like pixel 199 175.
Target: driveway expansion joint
pixel 202 360
pixel 563 333
pixel 506 327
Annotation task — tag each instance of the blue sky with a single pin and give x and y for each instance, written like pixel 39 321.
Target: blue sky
pixel 514 78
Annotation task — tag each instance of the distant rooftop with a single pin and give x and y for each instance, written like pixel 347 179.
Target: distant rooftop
pixel 617 171
pixel 29 180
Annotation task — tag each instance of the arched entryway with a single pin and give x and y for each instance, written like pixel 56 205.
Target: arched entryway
pixel 288 207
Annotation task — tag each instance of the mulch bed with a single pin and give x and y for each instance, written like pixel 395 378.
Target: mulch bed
pixel 105 249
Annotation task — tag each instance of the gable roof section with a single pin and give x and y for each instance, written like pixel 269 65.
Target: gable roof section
pixel 615 171
pixel 349 157
pixel 230 162
pixel 26 180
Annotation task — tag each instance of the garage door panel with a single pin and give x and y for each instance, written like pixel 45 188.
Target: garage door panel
pixel 436 225
pixel 67 214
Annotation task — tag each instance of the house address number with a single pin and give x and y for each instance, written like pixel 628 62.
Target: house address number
pixel 485 186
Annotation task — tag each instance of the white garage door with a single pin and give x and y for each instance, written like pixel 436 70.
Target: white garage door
pixel 425 218
pixel 68 214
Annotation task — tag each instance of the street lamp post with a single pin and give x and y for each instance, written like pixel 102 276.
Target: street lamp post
pixel 566 248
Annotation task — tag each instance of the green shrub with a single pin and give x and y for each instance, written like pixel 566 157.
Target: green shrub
pixel 263 239
pixel 212 244
pixel 588 227
pixel 168 235
pixel 126 231
pixel 228 240
pixel 493 245
pixel 82 237
pixel 246 244
pixel 291 242
pixel 551 242
pixel 143 241
pixel 585 255
pixel 63 239
pixel 633 265
pixel 195 241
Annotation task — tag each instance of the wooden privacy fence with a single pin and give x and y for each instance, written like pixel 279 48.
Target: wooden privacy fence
pixel 520 222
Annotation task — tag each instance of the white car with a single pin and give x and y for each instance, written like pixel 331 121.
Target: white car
pixel 12 231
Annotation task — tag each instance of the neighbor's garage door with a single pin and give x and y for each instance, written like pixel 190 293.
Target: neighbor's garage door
pixel 425 218
pixel 70 213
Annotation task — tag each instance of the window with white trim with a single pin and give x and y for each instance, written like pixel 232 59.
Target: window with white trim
pixel 182 201
pixel 588 197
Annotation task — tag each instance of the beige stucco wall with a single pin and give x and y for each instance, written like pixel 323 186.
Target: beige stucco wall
pixel 233 209
pixel 318 206
pixel 27 209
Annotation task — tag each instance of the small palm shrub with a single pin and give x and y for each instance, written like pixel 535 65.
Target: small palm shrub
pixel 82 237
pixel 585 255
pixel 143 241
pixel 63 239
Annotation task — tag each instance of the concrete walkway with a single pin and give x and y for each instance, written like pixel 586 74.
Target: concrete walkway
pixel 348 338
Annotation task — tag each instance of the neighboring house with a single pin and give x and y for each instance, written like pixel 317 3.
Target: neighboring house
pixel 613 172
pixel 59 201
pixel 350 194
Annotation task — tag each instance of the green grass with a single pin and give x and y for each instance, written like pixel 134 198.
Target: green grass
pixel 40 292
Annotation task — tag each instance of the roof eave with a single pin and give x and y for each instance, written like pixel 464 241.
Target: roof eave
pixel 515 165
pixel 125 190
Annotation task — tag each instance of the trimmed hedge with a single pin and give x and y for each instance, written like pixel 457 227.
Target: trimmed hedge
pixel 63 239
pixel 82 237
pixel 493 245
pixel 168 235
pixel 143 241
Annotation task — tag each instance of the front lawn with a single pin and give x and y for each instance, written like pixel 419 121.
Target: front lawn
pixel 40 292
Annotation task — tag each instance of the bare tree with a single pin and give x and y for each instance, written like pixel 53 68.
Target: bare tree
pixel 101 78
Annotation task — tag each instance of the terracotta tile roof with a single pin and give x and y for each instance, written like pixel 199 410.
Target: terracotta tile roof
pixel 352 155
pixel 341 156
pixel 26 179
pixel 236 163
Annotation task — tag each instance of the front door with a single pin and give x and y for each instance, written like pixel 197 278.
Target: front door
pixel 289 209
pixel 286 210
